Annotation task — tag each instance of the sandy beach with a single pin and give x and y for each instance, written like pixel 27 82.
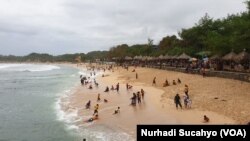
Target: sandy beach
pixel 224 101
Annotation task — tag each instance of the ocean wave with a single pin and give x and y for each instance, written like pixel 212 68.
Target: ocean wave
pixel 27 67
pixel 64 113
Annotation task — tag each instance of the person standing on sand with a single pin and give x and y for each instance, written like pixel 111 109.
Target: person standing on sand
pixel 179 81
pixel 96 109
pixel 203 70
pixel 154 81
pixel 185 101
pixel 177 101
pixel 136 76
pixel 133 100
pixel 117 87
pixel 98 97
pixel 88 104
pixel 142 93
pixel 186 90
pixel 138 97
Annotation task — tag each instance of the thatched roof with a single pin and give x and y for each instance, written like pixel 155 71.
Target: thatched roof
pixel 230 56
pixel 149 58
pixel 242 56
pixel 144 58
pixel 167 57
pixel 184 56
pixel 215 57
pixel 128 58
pixel 139 57
pixel 174 57
pixel 161 57
pixel 114 58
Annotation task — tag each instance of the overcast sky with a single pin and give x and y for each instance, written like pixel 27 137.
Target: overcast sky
pixel 70 26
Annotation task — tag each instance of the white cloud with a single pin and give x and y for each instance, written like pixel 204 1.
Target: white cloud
pixel 69 26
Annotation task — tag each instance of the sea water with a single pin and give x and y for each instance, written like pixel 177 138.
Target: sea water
pixel 28 102
pixel 31 99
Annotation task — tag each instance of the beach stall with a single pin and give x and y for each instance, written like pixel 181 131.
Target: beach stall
pixel 167 60
pixel 183 60
pixel 229 61
pixel 243 60
pixel 216 62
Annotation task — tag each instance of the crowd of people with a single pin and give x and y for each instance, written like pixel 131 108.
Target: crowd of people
pixel 138 96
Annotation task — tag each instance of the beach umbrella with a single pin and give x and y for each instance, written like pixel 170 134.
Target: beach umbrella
pixel 184 56
pixel 193 59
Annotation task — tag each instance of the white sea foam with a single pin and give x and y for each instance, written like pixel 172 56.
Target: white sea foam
pixel 27 67
pixel 71 119
pixel 66 114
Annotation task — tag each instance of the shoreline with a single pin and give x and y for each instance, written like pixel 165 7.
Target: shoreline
pixel 230 107
pixel 157 99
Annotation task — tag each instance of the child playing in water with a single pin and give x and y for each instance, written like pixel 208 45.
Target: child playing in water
pixel 95 117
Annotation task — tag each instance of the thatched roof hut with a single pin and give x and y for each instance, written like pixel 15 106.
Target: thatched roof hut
pixel 215 57
pixel 243 56
pixel 115 58
pixel 139 57
pixel 161 57
pixel 144 58
pixel 149 58
pixel 128 58
pixel 229 57
pixel 184 56
pixel 174 57
pixel 167 57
